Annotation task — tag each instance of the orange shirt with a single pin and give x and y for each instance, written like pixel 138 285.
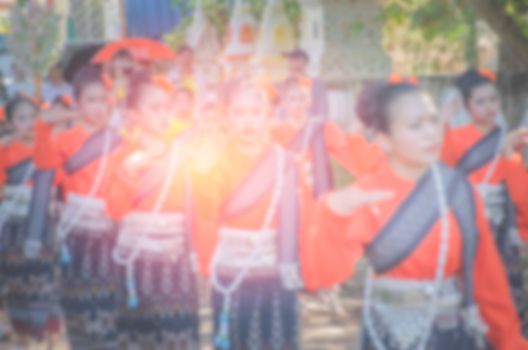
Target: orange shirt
pixel 11 154
pixel 352 151
pixel 212 191
pixel 52 151
pixel 511 171
pixel 340 241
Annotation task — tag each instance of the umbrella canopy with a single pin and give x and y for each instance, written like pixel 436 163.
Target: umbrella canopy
pixel 143 49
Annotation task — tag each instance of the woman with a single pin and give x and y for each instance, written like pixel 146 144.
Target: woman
pixel 150 197
pixel 483 150
pixel 83 157
pixel 434 267
pixel 30 279
pixel 248 230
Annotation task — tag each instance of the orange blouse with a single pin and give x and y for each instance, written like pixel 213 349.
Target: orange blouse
pixel 340 241
pixel 511 171
pixel 11 154
pixel 52 150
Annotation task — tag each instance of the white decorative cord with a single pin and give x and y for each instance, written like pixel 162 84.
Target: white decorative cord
pixel 64 228
pixel 128 261
pixel 439 275
pixel 222 337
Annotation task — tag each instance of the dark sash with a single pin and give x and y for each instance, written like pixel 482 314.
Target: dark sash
pixel 259 184
pixel 416 216
pixel 321 170
pixel 256 186
pixel 483 152
pixel 38 216
pixel 18 173
pixel 92 149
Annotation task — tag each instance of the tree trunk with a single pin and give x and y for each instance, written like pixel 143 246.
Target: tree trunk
pixel 514 44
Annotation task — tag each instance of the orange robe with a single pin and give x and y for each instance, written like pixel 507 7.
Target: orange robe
pixel 510 171
pixel 211 192
pixel 52 151
pixel 11 154
pixel 352 151
pixel 340 241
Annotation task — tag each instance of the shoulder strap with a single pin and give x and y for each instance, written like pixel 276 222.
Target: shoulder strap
pixel 483 152
pixel 257 185
pixel 92 149
pixel 20 172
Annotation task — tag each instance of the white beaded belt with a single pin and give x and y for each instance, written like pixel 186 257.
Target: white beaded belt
pixel 85 213
pixel 236 246
pixel 414 294
pixel 16 201
pixel 157 235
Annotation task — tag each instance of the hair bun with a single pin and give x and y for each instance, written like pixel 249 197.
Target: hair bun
pixel 367 105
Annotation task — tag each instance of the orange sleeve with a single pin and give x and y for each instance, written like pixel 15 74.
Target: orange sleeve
pixel 492 291
pixel 45 153
pixel 517 180
pixel 330 251
pixel 353 152
pixel 3 166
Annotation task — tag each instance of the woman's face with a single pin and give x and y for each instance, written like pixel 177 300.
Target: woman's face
pixel 484 104
pixel 249 118
pixel 93 103
pixel 154 109
pixel 296 104
pixel 415 130
pixel 23 118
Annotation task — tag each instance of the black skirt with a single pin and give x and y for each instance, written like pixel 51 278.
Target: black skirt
pixel 263 315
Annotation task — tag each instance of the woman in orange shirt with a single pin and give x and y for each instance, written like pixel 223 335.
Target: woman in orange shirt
pixel 247 234
pixel 150 198
pixel 481 150
pixel 83 157
pixel 433 265
pixel 30 279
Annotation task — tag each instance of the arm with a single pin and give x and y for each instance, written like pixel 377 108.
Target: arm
pixel 352 151
pixel 516 180
pixel 493 293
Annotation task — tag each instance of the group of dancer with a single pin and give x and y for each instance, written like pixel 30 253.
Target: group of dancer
pixel 116 205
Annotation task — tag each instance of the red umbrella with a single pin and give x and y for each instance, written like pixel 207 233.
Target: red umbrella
pixel 142 49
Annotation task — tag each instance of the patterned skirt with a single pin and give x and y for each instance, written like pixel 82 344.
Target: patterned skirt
pixel 31 283
pixel 166 316
pixel 89 290
pixel 263 315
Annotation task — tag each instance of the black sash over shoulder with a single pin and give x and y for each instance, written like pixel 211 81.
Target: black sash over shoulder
pixel 92 149
pixel 482 152
pixel 20 172
pixel 415 218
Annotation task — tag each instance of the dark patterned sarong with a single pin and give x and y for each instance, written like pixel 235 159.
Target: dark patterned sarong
pixel 89 290
pixel 263 315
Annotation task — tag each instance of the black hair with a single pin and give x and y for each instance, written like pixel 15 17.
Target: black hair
pixel 469 81
pixel 374 101
pixel 122 54
pixel 184 48
pixel 15 102
pixel 87 75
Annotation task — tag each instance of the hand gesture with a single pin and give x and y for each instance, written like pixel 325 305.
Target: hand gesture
pixel 345 201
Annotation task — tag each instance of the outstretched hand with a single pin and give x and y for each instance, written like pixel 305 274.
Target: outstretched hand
pixel 345 201
pixel 514 141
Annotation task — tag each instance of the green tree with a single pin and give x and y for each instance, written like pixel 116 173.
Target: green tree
pixel 34 39
pixel 456 21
